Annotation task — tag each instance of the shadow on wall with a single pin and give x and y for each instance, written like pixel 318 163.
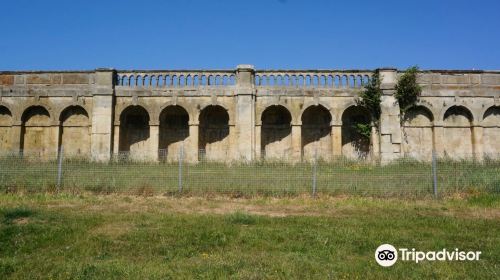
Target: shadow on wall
pixel 134 129
pixel 36 132
pixel 214 132
pixel 276 132
pixel 74 131
pixel 174 130
pixel 316 132
pixel 355 145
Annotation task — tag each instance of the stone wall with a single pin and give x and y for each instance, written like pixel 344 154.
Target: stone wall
pixel 244 114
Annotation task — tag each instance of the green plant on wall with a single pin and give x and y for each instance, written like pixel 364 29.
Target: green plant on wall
pixel 407 89
pixel 370 98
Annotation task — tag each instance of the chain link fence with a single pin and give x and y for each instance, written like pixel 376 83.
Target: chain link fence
pixel 34 172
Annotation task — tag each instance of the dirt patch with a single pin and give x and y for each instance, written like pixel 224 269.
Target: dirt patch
pixel 21 221
pixel 113 229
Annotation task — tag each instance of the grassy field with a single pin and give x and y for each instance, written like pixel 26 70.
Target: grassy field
pixel 88 236
pixel 405 177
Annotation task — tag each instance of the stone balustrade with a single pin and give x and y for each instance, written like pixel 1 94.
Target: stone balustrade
pixel 181 78
pixel 313 78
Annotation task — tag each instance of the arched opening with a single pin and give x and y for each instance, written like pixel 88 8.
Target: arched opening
pixel 174 130
pixel 417 133
pixel 213 133
pixel 316 132
pixel 276 132
pixel 354 143
pixel 5 129
pixel 491 132
pixel 74 131
pixel 134 131
pixel 458 132
pixel 37 135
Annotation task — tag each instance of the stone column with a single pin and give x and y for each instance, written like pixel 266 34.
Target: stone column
pixel 258 143
pixel 477 142
pixel 438 137
pixel 102 115
pixel 116 141
pixel 245 113
pixel 390 125
pixel 16 135
pixel 336 140
pixel 56 130
pixel 296 143
pixel 154 139
pixel 375 144
pixel 192 148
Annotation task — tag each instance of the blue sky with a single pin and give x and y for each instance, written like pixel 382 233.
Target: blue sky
pixel 196 34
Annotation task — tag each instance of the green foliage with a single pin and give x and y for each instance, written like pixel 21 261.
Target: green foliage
pixel 407 89
pixel 370 98
pixel 365 129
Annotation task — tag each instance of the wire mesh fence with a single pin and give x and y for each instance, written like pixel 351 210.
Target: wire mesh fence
pixel 34 172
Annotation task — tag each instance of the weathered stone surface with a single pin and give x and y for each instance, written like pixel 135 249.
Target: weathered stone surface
pixel 6 80
pixel 74 79
pixel 226 116
pixel 38 79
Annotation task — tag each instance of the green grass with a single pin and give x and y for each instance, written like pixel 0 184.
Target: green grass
pixel 404 177
pixel 67 236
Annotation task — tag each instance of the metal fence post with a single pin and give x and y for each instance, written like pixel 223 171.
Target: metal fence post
pixel 315 163
pixel 59 168
pixel 181 155
pixel 434 174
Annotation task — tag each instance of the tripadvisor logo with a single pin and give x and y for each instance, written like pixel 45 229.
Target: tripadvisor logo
pixel 387 255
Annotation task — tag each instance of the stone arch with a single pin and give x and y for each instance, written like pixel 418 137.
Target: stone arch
pixel 38 137
pixel 491 132
pixel 174 131
pixel 134 131
pixel 214 143
pixel 5 129
pixel 316 132
pixel 264 106
pixel 354 144
pixel 309 104
pixel 74 132
pixel 276 132
pixel 121 107
pixel 418 132
pixel 196 112
pixel 457 125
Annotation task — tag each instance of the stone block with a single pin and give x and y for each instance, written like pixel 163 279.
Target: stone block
pixel 19 79
pixel 75 79
pixel 489 79
pixel 38 79
pixel 56 79
pixel 455 79
pixel 6 80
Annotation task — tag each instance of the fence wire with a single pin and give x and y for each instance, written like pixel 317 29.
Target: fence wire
pixel 34 172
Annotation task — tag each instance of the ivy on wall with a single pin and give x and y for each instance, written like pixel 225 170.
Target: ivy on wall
pixel 370 98
pixel 407 89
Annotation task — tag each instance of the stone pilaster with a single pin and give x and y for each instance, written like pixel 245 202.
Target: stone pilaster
pixel 296 143
pixel 336 135
pixel 245 113
pixel 192 148
pixel 258 142
pixel 102 115
pixel 390 125
pixel 477 142
pixel 438 138
pixel 154 138
pixel 116 140
pixel 15 134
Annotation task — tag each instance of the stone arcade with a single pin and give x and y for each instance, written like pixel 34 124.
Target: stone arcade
pixel 244 114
